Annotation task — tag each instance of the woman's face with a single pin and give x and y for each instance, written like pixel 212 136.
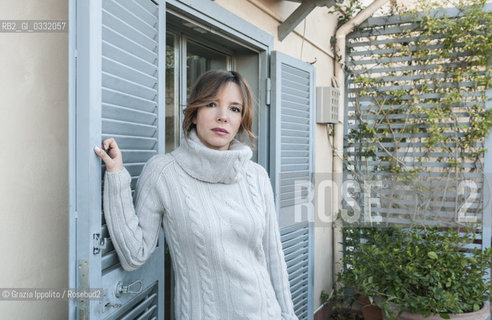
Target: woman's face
pixel 218 122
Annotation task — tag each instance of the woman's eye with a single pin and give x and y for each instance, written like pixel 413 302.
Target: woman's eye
pixel 211 104
pixel 235 109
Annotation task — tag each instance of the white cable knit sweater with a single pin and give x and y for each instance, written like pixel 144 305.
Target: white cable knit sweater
pixel 219 219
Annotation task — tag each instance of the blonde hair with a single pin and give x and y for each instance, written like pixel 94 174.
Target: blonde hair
pixel 204 91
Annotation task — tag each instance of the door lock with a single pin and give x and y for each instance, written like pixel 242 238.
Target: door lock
pixel 131 288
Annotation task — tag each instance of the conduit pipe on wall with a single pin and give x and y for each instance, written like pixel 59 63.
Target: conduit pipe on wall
pixel 338 130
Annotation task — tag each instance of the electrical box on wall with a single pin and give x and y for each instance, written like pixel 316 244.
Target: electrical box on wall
pixel 327 101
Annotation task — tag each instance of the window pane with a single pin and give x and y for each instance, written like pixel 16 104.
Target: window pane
pixel 200 59
pixel 172 96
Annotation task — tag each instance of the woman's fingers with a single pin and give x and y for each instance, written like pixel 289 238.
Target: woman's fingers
pixel 110 143
pixel 111 148
pixel 103 155
pixel 110 154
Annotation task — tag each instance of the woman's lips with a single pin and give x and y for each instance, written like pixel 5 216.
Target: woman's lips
pixel 220 131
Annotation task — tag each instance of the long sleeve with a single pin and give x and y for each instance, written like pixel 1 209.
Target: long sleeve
pixel 134 230
pixel 274 255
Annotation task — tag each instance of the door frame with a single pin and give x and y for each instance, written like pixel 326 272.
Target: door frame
pixel 227 25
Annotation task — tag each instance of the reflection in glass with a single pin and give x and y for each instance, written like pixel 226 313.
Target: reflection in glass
pixel 172 96
pixel 200 59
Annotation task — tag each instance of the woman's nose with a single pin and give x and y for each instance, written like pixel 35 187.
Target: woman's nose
pixel 222 114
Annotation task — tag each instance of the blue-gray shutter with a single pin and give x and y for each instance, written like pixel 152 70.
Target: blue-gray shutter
pixel 117 65
pixel 292 158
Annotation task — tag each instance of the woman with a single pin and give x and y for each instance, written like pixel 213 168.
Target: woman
pixel 216 207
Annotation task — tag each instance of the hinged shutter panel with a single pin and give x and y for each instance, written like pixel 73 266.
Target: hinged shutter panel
pixel 292 159
pixel 119 93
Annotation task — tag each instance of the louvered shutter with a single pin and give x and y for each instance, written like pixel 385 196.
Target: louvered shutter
pixel 292 158
pixel 118 91
pixel 397 68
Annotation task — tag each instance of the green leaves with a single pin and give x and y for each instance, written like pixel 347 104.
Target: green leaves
pixel 438 104
pixel 421 270
pixel 425 115
pixel 432 255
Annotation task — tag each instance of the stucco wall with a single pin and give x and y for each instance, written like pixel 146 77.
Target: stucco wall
pixel 309 42
pixel 34 162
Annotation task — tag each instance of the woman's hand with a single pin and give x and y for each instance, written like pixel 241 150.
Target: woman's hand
pixel 113 159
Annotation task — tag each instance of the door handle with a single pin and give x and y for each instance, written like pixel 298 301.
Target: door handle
pixel 130 288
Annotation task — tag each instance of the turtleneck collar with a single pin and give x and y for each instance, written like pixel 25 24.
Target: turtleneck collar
pixel 209 165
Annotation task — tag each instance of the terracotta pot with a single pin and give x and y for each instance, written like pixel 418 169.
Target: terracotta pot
pixel 369 311
pixel 481 314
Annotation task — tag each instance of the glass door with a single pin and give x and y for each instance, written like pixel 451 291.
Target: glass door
pixel 172 93
pixel 200 59
pixel 186 60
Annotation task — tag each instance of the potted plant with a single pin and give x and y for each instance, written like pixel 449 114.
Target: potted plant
pixel 419 272
pixel 339 306
pixel 364 260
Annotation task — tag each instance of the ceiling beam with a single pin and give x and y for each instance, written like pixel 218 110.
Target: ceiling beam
pixel 299 14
